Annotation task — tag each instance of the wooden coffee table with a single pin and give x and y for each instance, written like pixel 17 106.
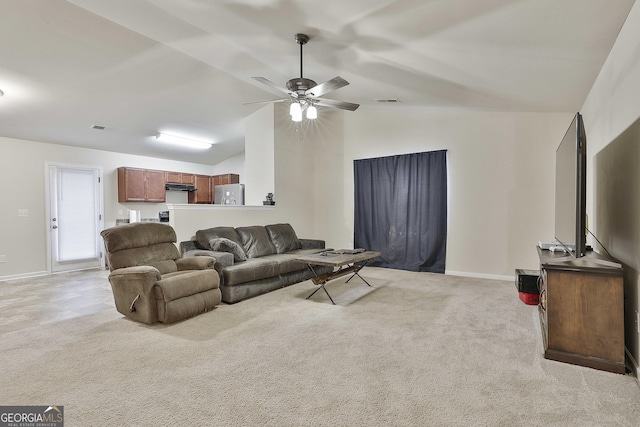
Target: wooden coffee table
pixel 343 261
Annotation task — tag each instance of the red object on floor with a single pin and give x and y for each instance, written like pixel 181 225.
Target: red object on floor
pixel 529 299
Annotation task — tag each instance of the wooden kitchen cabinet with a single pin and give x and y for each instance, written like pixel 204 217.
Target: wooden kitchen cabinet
pixel 228 178
pixel 204 190
pixel 174 177
pixel 180 178
pixel 141 185
pixel 188 178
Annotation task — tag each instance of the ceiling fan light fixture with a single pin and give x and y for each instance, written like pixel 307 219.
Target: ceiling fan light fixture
pixel 183 141
pixel 295 109
pixel 312 112
pixel 303 93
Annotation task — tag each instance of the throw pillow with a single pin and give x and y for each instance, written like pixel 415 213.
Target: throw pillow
pixel 221 244
pixel 203 237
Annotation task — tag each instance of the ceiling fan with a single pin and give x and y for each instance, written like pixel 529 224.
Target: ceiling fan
pixel 304 94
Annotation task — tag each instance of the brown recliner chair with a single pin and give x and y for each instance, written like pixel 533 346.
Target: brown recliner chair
pixel 150 282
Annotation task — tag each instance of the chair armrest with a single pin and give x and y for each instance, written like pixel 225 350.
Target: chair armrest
pixel 195 263
pixel 133 292
pixel 141 272
pixel 223 259
pixel 312 243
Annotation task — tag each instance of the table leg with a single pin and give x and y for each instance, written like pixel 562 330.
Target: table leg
pixel 356 273
pixel 325 278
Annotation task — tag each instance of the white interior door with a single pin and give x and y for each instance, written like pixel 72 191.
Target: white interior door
pixel 75 217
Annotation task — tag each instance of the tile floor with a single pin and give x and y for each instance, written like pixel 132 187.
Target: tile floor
pixel 25 303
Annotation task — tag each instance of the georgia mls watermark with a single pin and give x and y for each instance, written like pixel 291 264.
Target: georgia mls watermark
pixel 31 416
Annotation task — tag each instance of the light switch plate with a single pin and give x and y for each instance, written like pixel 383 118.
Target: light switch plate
pixel 23 212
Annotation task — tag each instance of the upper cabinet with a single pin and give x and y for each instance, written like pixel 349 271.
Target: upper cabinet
pixel 203 193
pixel 146 185
pixel 141 185
pixel 180 178
pixel 228 178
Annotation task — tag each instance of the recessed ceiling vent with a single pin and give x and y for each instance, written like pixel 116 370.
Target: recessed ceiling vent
pixel 394 100
pixel 98 127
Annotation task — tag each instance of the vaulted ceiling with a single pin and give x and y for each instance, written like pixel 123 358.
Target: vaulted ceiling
pixel 185 66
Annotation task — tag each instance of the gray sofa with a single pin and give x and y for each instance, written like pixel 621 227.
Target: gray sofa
pixel 256 259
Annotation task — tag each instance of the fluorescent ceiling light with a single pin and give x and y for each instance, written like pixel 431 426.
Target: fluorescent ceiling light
pixel 182 141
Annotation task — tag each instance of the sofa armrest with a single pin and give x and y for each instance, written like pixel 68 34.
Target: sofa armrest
pixel 223 259
pixel 195 263
pixel 188 245
pixel 312 243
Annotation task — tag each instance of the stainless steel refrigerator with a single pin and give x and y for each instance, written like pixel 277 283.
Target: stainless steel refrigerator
pixel 229 194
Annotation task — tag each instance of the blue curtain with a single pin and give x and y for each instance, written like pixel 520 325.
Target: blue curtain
pixel 401 210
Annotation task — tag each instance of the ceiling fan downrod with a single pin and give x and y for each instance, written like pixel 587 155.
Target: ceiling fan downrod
pixel 301 39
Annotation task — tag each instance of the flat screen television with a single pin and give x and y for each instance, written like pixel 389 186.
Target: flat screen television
pixel 571 189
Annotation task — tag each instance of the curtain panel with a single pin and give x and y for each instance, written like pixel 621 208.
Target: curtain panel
pixel 401 210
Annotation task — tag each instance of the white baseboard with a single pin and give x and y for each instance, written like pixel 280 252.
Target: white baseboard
pixel 634 364
pixel 480 275
pixel 24 275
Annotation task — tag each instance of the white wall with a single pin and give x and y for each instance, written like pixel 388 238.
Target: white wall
pixel 233 165
pixel 500 173
pixel 294 194
pixel 610 109
pixel 500 167
pixel 259 155
pixel 500 197
pixel 22 168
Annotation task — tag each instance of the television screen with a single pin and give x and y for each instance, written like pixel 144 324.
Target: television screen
pixel 571 183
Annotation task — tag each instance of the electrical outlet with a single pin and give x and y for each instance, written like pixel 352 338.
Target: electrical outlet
pixel 3 258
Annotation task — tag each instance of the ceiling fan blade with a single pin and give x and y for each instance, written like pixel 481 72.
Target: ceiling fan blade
pixel 343 105
pixel 326 87
pixel 264 102
pixel 272 85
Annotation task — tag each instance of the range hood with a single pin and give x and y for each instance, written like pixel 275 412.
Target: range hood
pixel 174 186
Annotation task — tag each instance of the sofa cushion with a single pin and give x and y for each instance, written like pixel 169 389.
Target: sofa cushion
pixel 252 269
pixel 185 283
pixel 288 262
pixel 283 237
pixel 256 241
pixel 203 237
pixel 221 244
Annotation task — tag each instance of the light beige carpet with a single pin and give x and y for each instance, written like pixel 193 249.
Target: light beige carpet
pixel 416 349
